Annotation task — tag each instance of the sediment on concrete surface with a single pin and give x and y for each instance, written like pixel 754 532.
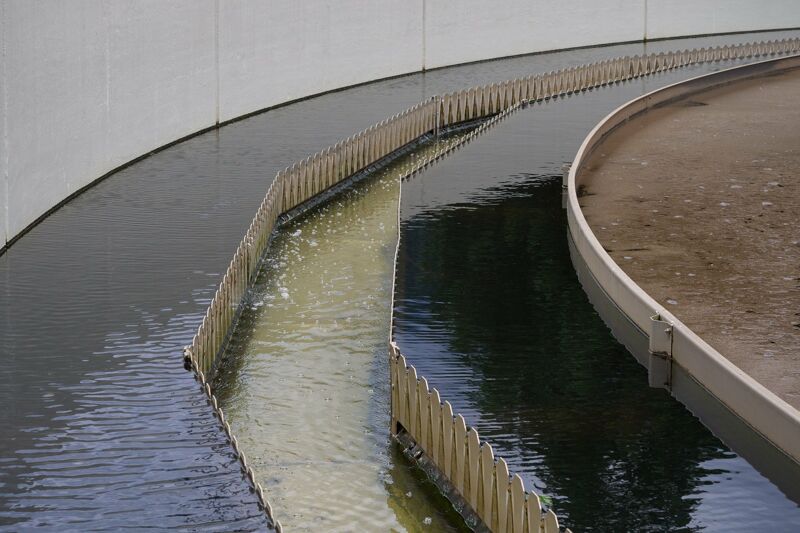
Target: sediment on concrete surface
pixel 675 351
pixel 698 202
pixel 301 183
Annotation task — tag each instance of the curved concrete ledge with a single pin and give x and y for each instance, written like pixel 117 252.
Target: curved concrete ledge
pixel 736 407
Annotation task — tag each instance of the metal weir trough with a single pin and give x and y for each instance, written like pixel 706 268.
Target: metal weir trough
pixel 490 494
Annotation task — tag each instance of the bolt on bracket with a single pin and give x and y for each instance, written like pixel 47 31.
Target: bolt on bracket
pixel 565 184
pixel 659 368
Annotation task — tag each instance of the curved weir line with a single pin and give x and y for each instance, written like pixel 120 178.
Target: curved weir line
pixel 670 341
pixel 477 482
pixel 297 187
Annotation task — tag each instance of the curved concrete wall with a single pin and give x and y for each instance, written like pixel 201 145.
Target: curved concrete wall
pixel 472 30
pixel 683 352
pixel 674 18
pixel 89 85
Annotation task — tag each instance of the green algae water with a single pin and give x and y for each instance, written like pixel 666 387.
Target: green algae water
pixel 305 385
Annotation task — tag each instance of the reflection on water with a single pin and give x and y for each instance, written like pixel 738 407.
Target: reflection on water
pixel 306 385
pixel 490 310
pixel 101 425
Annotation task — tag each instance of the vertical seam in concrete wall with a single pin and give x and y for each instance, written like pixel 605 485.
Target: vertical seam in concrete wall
pixel 4 90
pixel 216 58
pixel 107 28
pixel 424 33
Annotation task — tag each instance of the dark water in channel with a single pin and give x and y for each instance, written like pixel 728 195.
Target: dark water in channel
pixel 490 310
pixel 101 427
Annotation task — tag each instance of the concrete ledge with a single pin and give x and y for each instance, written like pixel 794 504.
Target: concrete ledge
pixel 628 309
pixel 782 470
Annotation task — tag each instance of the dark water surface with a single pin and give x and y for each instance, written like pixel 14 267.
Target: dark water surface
pixel 490 310
pixel 101 427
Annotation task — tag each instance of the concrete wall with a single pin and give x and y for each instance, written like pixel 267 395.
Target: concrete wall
pixel 89 85
pixel 92 84
pixel 4 233
pixel 273 51
pixel 693 369
pixel 675 18
pixel 471 30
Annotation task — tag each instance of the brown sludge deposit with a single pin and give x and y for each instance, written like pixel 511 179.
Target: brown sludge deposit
pixel 699 203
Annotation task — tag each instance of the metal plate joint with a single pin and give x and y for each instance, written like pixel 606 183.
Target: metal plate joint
pixel 660 361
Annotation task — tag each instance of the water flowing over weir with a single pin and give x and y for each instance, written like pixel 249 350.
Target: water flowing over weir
pixel 102 425
pixel 490 311
pixel 304 385
pixel 478 481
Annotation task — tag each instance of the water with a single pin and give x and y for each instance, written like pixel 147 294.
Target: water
pixel 305 386
pixel 101 426
pixel 489 309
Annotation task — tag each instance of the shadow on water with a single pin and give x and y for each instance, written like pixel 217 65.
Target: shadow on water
pixel 541 370
pixel 490 310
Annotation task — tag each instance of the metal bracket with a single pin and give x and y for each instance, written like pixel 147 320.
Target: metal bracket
pixel 565 184
pixel 659 368
pixel 437 124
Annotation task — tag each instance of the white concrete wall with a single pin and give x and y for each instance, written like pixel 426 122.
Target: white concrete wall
pixel 3 137
pixel 92 84
pixel 675 18
pixel 471 30
pixel 273 51
pixel 88 85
